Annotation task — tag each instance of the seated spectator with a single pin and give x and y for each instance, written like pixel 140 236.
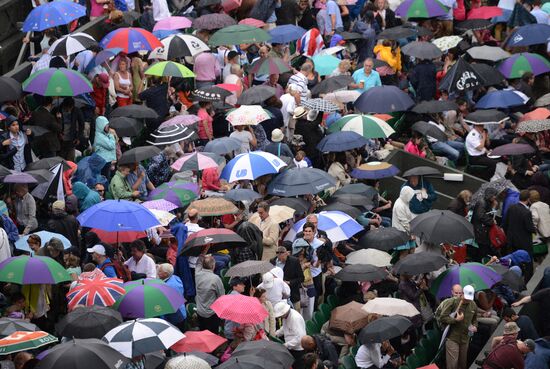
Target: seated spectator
pixel 103 263
pixel 140 264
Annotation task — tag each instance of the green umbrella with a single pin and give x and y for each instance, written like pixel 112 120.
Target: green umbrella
pixel 238 34
pixel 363 124
pixel 269 66
pixel 169 69
pixel 478 275
pixel 23 341
pixel 57 82
pixel 325 64
pixel 179 193
pixel 32 270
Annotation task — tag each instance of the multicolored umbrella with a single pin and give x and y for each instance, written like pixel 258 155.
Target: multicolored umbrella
pixel 118 216
pixel 177 192
pixel 238 34
pixel 148 298
pixel 251 166
pixel 98 291
pixel 375 170
pixel 195 161
pixel 171 135
pixel 172 23
pixel 240 309
pixel 180 45
pixel 421 9
pixel 23 341
pixel 247 115
pixel 130 40
pixel 214 206
pixel 337 225
pixel 475 274
pixel 269 66
pixel 367 126
pixel 32 270
pixel 169 69
pixel 57 82
pixel 213 21
pixel 53 14
pixel 516 65
pixel 202 341
pixel 72 44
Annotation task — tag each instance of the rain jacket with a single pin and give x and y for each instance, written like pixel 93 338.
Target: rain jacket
pixel 86 197
pixel 104 143
pixel 182 269
pixel 385 53
pixel 119 187
pixel 67 178
pixel 89 171
pixel 482 217
pixel 417 206
pixel 401 214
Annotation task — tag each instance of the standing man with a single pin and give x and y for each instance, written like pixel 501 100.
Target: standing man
pixel 270 231
pixel 518 225
pixel 209 287
pixel 366 77
pixel 293 274
pixel 25 209
pixel 333 20
pixel 293 329
pixel 477 142
pixel 300 80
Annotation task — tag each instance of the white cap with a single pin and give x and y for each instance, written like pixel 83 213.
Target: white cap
pixel 267 280
pixel 280 309
pixel 97 249
pixel 469 292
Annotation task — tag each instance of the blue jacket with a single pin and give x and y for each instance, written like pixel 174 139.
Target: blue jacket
pixel 512 197
pixel 104 142
pixel 109 271
pixel 182 269
pixel 10 228
pixel 175 282
pixel 419 207
pixel 540 358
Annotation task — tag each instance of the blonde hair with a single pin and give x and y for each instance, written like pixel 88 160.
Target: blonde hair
pixel 345 64
pixel 534 196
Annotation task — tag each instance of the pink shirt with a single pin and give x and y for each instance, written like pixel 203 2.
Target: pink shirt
pixel 206 67
pixel 203 115
pixel 413 149
pixel 96 9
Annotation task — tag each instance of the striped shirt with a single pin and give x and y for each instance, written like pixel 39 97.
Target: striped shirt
pixel 301 81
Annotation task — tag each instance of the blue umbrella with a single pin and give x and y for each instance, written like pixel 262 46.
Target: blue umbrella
pixel 53 14
pixel 251 166
pixel 223 145
pixel 531 34
pixel 162 33
pixel 374 170
pixel 338 225
pixel 286 33
pixel 118 215
pixel 21 243
pixel 102 56
pixel 242 194
pixel 384 100
pixel 341 141
pixel 500 99
pixel 300 181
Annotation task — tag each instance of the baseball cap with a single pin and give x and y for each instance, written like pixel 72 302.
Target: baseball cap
pixel 58 205
pixel 97 249
pixel 267 280
pixel 469 292
pixel 104 79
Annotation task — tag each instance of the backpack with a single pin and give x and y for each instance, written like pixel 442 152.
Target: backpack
pixel 497 236
pixel 121 270
pixel 438 312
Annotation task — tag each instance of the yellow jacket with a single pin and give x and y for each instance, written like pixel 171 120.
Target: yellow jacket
pixel 385 53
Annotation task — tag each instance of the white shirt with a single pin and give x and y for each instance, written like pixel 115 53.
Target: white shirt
pixel 369 355
pixel 473 140
pixel 294 328
pixel 145 265
pixel 244 137
pixel 160 10
pixel 287 108
pixel 279 292
pixel 193 228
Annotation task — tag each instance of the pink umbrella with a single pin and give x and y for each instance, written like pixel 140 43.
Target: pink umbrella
pixel 252 22
pixel 172 23
pixel 196 161
pixel 185 120
pixel 228 86
pixel 159 205
pixel 240 309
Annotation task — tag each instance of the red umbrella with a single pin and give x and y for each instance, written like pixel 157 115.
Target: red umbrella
pixel 485 12
pixel 240 309
pixel 118 237
pixel 537 114
pixel 202 341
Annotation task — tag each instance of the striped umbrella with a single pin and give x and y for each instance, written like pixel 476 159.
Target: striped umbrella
pixel 57 82
pixel 72 44
pixel 269 66
pixel 516 65
pixel 169 69
pixel 184 120
pixel 239 308
pixel 366 125
pixel 171 135
pixel 32 270
pixel 251 166
pixel 478 275
pixel 130 40
pixel 24 341
pixel 178 193
pixel 97 291
pixel 421 9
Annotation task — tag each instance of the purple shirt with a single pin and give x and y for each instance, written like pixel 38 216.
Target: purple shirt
pixel 206 67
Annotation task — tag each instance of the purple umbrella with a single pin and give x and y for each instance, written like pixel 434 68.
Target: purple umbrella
pixel 18 177
pixel 148 298
pixel 516 65
pixel 178 192
pixel 475 274
pixel 57 82
pixel 159 205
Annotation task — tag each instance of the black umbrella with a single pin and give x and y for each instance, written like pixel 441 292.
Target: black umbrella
pixel 125 126
pixel 222 145
pixel 377 63
pixel 442 226
pixel 428 129
pixel 489 116
pixel 10 89
pixel 337 206
pixel 155 360
pixel 130 16
pixel 383 329
pixel 41 175
pixel 383 99
pixel 331 84
pixel 88 322
pixel 47 163
pixel 300 181
pixel 205 3
pixel 490 76
pixel 360 273
pixel 249 267
pixel 251 361
pixel 396 33
pixel 422 50
pixel 72 44
pixel 181 45
pixel 212 93
pixel 219 239
pixel 270 349
pixel 299 204
pixel 134 111
pixel 351 35
pixel 138 154
pixel 256 95
pixel 513 149
pixel 172 134
pixel 509 277
pixel 474 25
pixel 434 106
pixel 383 239
pixel 88 353
pixel 419 263
pixel 421 171
pixel 520 17
pixel 461 77
pixel 353 199
pixel 357 188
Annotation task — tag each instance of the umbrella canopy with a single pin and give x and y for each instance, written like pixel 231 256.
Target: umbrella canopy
pixel 396 33
pixel 269 66
pixel 267 349
pixel 125 126
pixel 41 175
pixel 256 95
pixel 325 64
pixel 19 177
pixel 32 270
pixel 138 154
pixel 213 21
pixel 178 193
pixel 217 238
pixel 134 111
pixel 447 42
pixel 421 9
pixel 348 318
pixel 238 34
pixel 442 226
pixel 171 135
pixel 212 93
pixel 489 116
pixel 422 50
pixel 169 69
pixel 97 291
pixel 163 217
pixel 369 256
pixel 538 113
pixel 130 40
pixel 544 100
pixel 277 214
pixel 367 126
pixel 251 361
pixel 375 170
pixel 251 166
pixel 252 22
pixel 82 354
pixel 286 33
pixel 434 106
pixel 331 84
pixel 321 105
pixel 46 163
pixel 419 263
pixel 361 273
pixel 498 185
pixel 223 145
pixel 202 341
pixel 383 329
pixel 338 226
pixel 489 53
pixel 461 77
pixel 530 34
pixel 116 237
pixel 473 25
pixel 485 12
pixel 383 99
pixel 148 298
pixel 143 336
pixel 180 45
pixel 10 325
pixel 118 215
pixel 533 125
pixel 24 341
pixel 298 204
pixel 516 65
pixel 88 322
pixel 242 194
pixel 478 275
pixel 101 57
pixel 341 141
pixel 421 171
pixel 390 306
pixel 513 149
pixel 500 99
pixel 160 204
pixel 300 181
pixel 247 115
pixel 489 75
pixel 383 239
pixel 249 267
pixel 10 89
pixel 214 206
pixel 172 23
pixel 509 277
pixel 240 309
pixel 72 44
pixel 195 161
pixel 52 14
pixel 353 199
pixel 57 82
pixel 430 130
pixel 183 119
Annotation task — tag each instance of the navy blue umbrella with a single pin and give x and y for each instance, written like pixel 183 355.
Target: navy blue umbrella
pixel 300 181
pixel 286 33
pixel 383 99
pixel 242 194
pixel 341 141
pixel 500 99
pixel 531 34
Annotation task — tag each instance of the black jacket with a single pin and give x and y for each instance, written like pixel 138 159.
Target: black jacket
pixel 48 142
pixel 390 20
pixel 519 227
pixel 76 117
pixel 423 80
pixel 326 350
pixel 294 275
pixel 7 152
pixel 64 224
pixel 482 220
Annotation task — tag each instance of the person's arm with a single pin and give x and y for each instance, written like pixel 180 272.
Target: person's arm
pixel 253 142
pixel 219 288
pixel 151 269
pixel 522 301
pixel 140 177
pixel 378 81
pixel 272 235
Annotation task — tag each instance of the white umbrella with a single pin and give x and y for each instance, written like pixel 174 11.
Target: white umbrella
pixel 247 115
pixel 162 216
pixel 277 213
pixel 369 256
pixel 343 96
pixel 390 306
pixel 447 42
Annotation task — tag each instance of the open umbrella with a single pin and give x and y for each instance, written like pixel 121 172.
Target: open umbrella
pixel 10 89
pixel 10 325
pixel 213 21
pixel 101 57
pixel 537 114
pixel 195 161
pixel 222 145
pixel 447 42
pixel 383 239
pixel 143 336
pixel 183 119
pixel 57 82
pixel 338 226
pixel 46 163
pixel 341 141
pixel 300 181
pixel 499 185
pixel 486 116
pixel 353 199
pixel 178 193
pixel 389 306
pixel 442 226
pixel 485 12
pixel 383 99
pixel 489 53
pixel 116 237
pixel 239 308
pixel 348 318
pixel 331 84
pixel 238 34
pixel 138 154
pixel 396 33
pixel 367 126
pixel 134 111
pixel 256 95
pixel 212 93
pixel 427 129
pixel 300 205
pixel 24 341
pixel 321 105
pixel 489 75
pixel 375 170
pixel 247 115
pixel 419 263
pixel 126 126
pixel 421 9
pixel 286 33
pixel 478 275
pixel 383 329
pixel 422 50
pixel 277 214
pixel 130 40
pixel 500 99
pixel 249 267
pixel 97 291
pixel 251 166
pixel 217 238
pixel 516 65
pixel 252 22
pixel 214 206
pixel 19 177
pixel 242 194
pixel 544 100
pixel 160 204
pixel 473 25
pixel 32 270
pixel 118 215
pixel 269 66
pixel 421 171
pixel 72 44
pixel 530 34
pixel 513 149
pixel 202 341
pixel 266 349
pixel 53 14
pixel 461 77
pixel 88 322
pixel 434 106
pixel 325 64
pixel 172 23
pixel 171 135
pixel 181 45
pixel 533 125
pixel 369 256
pixel 169 69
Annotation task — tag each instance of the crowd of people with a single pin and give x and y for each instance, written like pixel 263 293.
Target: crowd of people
pixel 71 154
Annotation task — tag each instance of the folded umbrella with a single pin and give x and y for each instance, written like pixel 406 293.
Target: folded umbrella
pixel 374 257
pixel 383 99
pixel 383 239
pixel 513 149
pixel 88 322
pixel 256 95
pixel 202 341
pixel 249 267
pixel 348 318
pixel 419 263
pixel 96 291
pixel 239 308
pixel 389 306
pixel 422 50
pixel 427 129
pixel 341 141
pixel 138 154
pixel 383 329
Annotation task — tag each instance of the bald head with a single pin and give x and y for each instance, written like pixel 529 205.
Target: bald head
pixel 456 290
pixel 193 215
pixel 308 343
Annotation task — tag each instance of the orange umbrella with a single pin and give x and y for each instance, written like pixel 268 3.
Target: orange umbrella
pixel 537 114
pixel 202 341
pixel 384 117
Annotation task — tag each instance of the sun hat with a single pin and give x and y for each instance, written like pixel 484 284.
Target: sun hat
pixel 299 112
pixel 277 135
pixel 280 309
pixel 511 328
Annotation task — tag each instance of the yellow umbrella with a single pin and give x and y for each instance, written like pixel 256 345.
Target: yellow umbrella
pixel 277 213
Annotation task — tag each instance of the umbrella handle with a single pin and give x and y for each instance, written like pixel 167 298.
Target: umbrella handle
pixel 22 51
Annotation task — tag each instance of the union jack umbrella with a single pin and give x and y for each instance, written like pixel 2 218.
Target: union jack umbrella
pixel 97 291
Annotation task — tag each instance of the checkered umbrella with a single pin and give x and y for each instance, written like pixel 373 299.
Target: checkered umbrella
pixel 320 105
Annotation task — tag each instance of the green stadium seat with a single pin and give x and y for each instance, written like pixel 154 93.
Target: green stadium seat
pixel 349 362
pixel 332 300
pixel 311 327
pixel 413 362
pixel 353 351
pixel 422 354
pixel 325 309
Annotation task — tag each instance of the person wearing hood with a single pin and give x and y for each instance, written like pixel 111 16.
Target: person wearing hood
pixel 424 197
pixel 86 197
pixel 482 220
pixel 105 142
pixel 62 223
pixel 402 214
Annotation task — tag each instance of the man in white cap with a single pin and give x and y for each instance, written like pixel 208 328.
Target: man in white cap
pixel 103 263
pixel 293 329
pixel 276 289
